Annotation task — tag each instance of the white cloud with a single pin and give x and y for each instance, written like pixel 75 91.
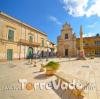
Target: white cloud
pixel 92 25
pixel 89 34
pixel 55 20
pixel 78 8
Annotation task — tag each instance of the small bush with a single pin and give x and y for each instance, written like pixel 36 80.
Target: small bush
pixel 53 65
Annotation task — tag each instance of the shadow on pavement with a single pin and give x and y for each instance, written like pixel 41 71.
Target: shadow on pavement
pixel 41 77
pixel 11 65
pixel 66 94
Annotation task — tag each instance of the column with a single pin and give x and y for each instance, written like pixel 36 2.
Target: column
pixel 81 55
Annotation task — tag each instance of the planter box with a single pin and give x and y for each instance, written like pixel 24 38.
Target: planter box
pixel 50 71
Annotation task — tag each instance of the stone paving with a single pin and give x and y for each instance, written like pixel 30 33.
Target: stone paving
pixel 88 70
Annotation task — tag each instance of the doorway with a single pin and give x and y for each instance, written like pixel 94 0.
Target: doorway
pixel 9 54
pixel 66 52
pixel 30 53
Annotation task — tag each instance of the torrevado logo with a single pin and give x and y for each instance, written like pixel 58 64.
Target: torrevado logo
pixel 50 85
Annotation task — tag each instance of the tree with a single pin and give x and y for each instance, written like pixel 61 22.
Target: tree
pixel 97 34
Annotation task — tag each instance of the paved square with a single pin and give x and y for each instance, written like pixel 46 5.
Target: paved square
pixel 88 70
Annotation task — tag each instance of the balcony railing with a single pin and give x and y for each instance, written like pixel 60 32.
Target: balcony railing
pixel 89 45
pixel 28 43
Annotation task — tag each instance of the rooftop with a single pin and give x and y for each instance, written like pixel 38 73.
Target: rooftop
pixel 16 20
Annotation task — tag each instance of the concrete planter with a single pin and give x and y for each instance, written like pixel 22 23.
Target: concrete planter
pixel 51 68
pixel 50 71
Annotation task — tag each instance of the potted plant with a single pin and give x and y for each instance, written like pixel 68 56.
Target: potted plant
pixel 51 68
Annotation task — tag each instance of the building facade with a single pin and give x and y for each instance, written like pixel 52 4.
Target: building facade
pixel 17 39
pixel 69 45
pixel 52 48
pixel 66 42
pixel 91 45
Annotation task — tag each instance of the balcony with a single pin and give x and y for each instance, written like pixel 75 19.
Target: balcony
pixel 28 43
pixel 91 46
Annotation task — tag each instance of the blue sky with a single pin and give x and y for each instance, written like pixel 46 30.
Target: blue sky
pixel 49 15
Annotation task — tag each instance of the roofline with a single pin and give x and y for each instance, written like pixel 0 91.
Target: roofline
pixel 51 42
pixel 90 37
pixel 14 19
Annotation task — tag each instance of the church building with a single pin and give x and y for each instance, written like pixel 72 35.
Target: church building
pixel 66 42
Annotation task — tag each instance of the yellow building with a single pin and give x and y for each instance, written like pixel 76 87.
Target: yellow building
pixel 91 45
pixel 18 38
pixel 52 49
pixel 69 46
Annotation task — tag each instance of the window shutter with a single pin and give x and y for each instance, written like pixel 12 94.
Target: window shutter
pixel 42 42
pixel 11 35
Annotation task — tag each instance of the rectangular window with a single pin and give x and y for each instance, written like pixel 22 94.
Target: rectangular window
pixel 66 36
pixel 11 35
pixel 36 37
pixel 42 42
pixel 1 24
pixel 31 38
pixel 97 43
pixel 97 52
pixel 23 33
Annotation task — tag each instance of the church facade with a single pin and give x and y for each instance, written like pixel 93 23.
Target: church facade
pixel 66 42
pixel 68 45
